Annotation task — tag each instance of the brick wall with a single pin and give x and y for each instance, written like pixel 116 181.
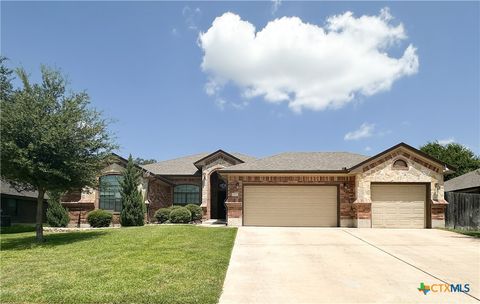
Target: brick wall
pixel 159 196
pixel 78 212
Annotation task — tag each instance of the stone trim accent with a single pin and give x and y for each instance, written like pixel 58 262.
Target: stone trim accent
pixel 402 155
pixel 439 202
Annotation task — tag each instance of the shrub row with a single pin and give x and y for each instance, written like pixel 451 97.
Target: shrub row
pixel 174 214
pixel 178 214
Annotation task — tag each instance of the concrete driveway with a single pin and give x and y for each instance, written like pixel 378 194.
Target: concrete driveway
pixel 341 265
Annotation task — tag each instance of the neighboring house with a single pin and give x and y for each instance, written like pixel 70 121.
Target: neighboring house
pixel 401 187
pixel 21 207
pixel 467 183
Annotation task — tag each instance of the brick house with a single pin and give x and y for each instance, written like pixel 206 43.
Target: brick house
pixel 400 187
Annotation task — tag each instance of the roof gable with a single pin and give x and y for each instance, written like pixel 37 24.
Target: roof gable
pixel 415 155
pixel 191 164
pixel 215 155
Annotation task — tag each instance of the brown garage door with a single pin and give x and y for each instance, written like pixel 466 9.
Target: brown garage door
pixel 314 206
pixel 398 206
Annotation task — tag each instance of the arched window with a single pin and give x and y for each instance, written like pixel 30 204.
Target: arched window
pixel 400 164
pixel 110 198
pixel 186 194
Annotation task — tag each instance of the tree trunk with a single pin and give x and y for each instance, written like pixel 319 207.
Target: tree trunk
pixel 39 218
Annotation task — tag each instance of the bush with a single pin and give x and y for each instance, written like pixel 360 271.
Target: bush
pixel 57 216
pixel 163 214
pixel 99 218
pixel 175 207
pixel 180 215
pixel 195 210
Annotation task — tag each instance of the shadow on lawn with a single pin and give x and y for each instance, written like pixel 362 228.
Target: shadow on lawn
pixel 51 240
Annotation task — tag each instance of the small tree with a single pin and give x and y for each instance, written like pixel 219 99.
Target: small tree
pixel 453 154
pixel 133 207
pixel 51 139
pixel 57 216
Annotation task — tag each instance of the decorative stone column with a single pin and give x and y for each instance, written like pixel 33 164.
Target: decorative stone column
pixel 438 213
pixel 234 213
pixel 234 201
pixel 362 213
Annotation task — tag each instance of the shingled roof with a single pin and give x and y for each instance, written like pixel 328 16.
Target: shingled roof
pixel 185 165
pixel 301 162
pixel 6 188
pixel 466 181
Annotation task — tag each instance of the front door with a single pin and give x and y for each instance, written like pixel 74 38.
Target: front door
pixel 218 195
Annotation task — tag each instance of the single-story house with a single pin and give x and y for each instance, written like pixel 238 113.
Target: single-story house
pixel 466 183
pixel 19 206
pixel 401 187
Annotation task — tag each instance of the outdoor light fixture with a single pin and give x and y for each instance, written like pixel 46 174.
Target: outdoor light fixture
pixel 147 203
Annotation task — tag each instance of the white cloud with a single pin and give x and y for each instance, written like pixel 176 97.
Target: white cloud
pixel 368 149
pixel 220 102
pixel 239 105
pixel 275 5
pixel 192 16
pixel 365 130
pixel 446 141
pixel 308 66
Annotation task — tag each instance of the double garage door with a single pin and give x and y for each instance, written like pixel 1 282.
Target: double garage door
pixel 393 206
pixel 290 206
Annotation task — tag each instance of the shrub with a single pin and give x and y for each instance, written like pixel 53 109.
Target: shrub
pixel 163 214
pixel 195 210
pixel 57 216
pixel 175 207
pixel 99 218
pixel 180 215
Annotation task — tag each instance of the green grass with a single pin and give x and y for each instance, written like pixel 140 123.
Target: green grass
pixel 474 233
pixel 152 264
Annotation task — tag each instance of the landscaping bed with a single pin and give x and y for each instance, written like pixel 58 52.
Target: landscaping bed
pixel 151 264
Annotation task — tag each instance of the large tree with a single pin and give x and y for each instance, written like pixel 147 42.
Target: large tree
pixel 133 207
pixel 6 75
pixel 52 140
pixel 453 154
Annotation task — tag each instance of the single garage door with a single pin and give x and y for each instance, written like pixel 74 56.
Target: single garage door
pixel 398 206
pixel 313 206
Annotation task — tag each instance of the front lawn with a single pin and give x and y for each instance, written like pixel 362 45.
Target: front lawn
pixel 152 264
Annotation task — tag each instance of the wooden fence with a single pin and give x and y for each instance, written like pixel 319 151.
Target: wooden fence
pixel 463 210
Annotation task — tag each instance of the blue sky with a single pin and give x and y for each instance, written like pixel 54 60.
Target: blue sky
pixel 141 63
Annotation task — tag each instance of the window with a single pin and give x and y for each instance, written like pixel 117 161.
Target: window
pixel 110 198
pixel 186 194
pixel 400 164
pixel 9 206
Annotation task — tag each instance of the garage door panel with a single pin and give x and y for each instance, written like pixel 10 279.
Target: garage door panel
pixel 290 205
pixel 398 206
